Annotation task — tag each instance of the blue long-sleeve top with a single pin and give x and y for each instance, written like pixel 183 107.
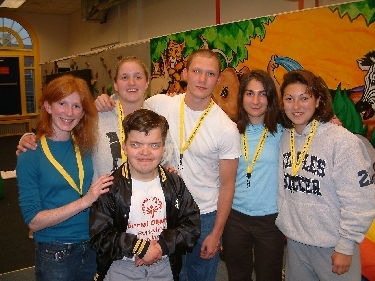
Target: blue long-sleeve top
pixel 42 187
pixel 260 198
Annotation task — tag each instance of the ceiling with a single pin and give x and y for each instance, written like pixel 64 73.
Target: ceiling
pixel 57 7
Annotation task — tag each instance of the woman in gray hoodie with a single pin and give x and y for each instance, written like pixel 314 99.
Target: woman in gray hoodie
pixel 326 198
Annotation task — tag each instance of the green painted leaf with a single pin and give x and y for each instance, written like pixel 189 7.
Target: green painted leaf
pixel 229 41
pixel 357 9
pixel 345 110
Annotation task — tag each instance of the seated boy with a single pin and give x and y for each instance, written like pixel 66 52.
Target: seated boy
pixel 145 223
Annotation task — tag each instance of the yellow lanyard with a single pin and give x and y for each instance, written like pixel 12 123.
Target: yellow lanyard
pixel 258 150
pixel 120 117
pixel 296 165
pixel 195 130
pixel 61 170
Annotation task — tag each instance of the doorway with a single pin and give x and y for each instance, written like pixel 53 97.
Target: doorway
pixel 10 90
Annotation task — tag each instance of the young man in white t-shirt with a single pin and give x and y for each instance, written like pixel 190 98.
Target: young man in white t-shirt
pixel 148 219
pixel 207 143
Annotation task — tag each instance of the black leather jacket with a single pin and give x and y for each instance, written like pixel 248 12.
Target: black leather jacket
pixel 109 220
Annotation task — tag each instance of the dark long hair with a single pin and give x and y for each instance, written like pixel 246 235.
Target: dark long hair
pixel 315 87
pixel 272 112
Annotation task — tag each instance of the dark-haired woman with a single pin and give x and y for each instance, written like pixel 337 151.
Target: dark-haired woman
pixel 251 240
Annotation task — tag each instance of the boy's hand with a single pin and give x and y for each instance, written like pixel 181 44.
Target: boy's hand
pixel 153 254
pixel 104 103
pixel 341 263
pixel 138 261
pixel 210 246
pixel 26 142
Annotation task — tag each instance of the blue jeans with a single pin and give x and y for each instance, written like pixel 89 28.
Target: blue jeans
pixel 64 262
pixel 194 268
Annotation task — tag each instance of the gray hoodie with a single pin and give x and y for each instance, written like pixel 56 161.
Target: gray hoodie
pixel 331 201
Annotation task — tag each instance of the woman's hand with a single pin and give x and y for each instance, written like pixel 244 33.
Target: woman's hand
pixel 51 217
pixel 171 169
pixel 341 263
pixel 99 187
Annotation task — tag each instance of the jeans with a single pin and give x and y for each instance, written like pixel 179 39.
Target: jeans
pixel 64 262
pixel 194 268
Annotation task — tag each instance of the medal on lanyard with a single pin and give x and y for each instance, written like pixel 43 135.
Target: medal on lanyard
pixel 258 150
pixel 297 162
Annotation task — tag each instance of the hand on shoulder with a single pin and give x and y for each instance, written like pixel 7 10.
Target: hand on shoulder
pixel 27 141
pixel 104 103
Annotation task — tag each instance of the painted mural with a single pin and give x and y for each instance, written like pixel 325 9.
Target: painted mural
pixel 335 42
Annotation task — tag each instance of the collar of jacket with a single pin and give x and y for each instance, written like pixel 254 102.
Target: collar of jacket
pixel 125 171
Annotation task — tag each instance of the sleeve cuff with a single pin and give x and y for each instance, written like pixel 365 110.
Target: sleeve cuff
pixel 140 248
pixel 163 246
pixel 345 246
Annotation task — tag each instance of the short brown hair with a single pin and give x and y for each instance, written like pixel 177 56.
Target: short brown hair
pixel 144 120
pixel 203 53
pixel 315 86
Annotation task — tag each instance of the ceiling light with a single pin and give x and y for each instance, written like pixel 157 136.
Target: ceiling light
pixel 13 4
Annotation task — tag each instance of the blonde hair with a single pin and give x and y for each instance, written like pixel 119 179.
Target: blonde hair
pixel 207 53
pixel 132 59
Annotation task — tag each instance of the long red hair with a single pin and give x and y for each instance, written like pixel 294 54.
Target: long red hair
pixel 85 132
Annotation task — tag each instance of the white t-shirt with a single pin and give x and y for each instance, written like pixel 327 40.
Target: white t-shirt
pixel 217 138
pixel 147 217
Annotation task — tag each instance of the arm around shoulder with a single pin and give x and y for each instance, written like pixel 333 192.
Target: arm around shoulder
pixel 27 141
